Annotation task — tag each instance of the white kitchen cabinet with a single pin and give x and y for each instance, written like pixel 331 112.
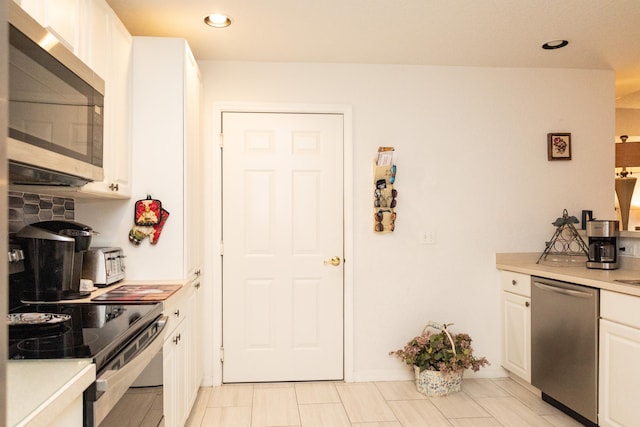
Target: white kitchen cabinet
pixel 95 40
pixel 174 359
pixel 166 153
pixel 193 186
pixel 182 371
pixel 60 17
pixel 516 323
pixel 195 368
pixel 619 371
pixel 109 55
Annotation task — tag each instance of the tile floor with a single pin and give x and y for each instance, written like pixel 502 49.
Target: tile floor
pixel 482 402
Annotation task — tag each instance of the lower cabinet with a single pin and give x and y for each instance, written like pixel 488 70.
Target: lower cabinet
pixel 619 347
pixel 182 373
pixel 194 342
pixel 71 416
pixel 175 359
pixel 516 324
pixel 619 374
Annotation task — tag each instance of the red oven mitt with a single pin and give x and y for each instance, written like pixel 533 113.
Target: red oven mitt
pixel 157 229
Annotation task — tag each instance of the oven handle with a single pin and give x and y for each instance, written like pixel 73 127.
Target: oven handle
pixel 114 383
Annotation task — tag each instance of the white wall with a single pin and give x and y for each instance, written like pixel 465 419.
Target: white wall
pixel 472 166
pixel 628 122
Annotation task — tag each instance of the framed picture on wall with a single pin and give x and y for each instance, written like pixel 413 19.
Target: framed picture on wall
pixel 559 146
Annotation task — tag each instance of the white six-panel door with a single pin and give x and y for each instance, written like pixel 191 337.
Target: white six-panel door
pixel 282 225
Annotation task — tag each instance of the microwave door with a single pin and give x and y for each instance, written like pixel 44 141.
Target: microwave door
pixel 49 106
pixel 56 107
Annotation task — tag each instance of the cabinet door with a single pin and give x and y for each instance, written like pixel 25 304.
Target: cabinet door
pixel 193 171
pixel 170 381
pixel 118 168
pixel 194 347
pixel 516 335
pixel 113 55
pixel 619 375
pixel 174 383
pixel 60 17
pixel 95 51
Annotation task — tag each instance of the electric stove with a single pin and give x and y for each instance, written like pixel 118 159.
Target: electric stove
pixel 95 331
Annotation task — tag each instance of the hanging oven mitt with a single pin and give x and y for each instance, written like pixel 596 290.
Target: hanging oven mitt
pixel 138 233
pixel 149 218
pixel 157 229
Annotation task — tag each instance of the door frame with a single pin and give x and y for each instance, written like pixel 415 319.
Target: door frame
pixel 213 257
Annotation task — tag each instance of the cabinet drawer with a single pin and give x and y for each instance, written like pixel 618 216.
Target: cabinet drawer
pixel 175 308
pixel 620 308
pixel 516 283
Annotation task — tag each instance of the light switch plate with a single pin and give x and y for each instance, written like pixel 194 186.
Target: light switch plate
pixel 428 237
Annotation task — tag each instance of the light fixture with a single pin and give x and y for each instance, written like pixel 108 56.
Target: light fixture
pixel 555 44
pixel 627 156
pixel 217 20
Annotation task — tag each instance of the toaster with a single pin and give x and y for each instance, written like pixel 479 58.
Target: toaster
pixel 103 265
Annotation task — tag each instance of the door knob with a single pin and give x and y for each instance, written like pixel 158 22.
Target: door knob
pixel 333 261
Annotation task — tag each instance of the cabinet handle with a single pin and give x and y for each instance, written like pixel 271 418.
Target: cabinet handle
pixel 114 187
pixel 177 313
pixel 514 282
pixel 177 339
pixel 527 304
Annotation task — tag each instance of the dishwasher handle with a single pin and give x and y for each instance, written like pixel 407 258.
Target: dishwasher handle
pixel 564 291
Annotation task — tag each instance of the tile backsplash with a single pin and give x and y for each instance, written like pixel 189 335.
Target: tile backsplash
pixel 27 208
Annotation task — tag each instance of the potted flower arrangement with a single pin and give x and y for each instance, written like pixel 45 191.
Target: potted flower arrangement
pixel 439 359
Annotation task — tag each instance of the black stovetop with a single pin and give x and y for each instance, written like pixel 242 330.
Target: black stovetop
pixel 57 331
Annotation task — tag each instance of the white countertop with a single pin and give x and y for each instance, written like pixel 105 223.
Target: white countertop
pixel 603 279
pixel 39 390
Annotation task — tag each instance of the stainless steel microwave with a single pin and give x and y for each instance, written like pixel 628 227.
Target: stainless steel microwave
pixel 56 109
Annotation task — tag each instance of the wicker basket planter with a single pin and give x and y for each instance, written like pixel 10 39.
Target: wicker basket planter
pixel 436 383
pixel 443 357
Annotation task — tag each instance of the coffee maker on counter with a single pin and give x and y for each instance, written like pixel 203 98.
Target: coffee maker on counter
pixel 53 257
pixel 603 244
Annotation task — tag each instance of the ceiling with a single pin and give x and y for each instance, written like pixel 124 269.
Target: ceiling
pixel 603 34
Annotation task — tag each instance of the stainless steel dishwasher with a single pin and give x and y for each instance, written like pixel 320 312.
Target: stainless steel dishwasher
pixel 564 346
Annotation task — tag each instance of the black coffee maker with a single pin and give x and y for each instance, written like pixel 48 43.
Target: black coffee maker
pixel 53 255
pixel 603 244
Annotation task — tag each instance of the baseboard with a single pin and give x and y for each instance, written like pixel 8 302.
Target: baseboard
pixel 406 375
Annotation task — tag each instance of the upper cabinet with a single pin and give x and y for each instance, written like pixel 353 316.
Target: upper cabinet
pixel 93 32
pixel 109 54
pixel 60 17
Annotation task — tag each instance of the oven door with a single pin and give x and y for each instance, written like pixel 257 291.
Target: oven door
pixel 115 379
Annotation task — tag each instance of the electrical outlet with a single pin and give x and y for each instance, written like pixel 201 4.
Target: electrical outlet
pixel 428 237
pixel 627 247
pixel 629 250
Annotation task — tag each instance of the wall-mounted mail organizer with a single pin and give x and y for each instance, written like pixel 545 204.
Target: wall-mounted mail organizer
pixel 384 193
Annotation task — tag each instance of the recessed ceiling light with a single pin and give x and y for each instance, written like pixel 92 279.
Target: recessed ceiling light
pixel 555 44
pixel 217 20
